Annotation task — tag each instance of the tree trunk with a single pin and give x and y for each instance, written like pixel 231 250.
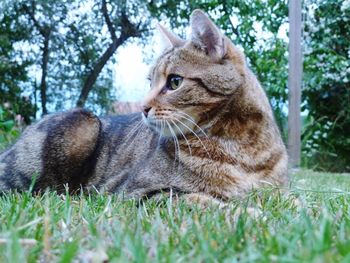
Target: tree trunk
pixel 128 29
pixel 93 74
pixel 45 60
pixel 45 32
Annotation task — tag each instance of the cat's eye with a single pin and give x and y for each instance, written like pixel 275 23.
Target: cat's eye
pixel 174 81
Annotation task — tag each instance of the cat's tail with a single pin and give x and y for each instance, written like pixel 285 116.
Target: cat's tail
pixel 56 151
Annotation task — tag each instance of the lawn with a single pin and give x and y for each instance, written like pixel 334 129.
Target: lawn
pixel 97 228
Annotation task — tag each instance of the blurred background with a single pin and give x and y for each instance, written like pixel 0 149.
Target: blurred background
pixel 56 55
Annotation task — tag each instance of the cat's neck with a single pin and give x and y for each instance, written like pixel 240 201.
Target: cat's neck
pixel 243 117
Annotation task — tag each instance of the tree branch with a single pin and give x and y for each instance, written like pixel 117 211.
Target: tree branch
pixel 108 21
pixel 234 29
pixel 45 61
pixel 93 74
pixel 45 32
pixel 127 30
pixel 31 13
pixel 83 48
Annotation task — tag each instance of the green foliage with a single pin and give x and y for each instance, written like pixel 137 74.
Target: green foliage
pixel 13 66
pixel 327 85
pixel 99 227
pixel 78 46
pixel 77 38
pixel 8 129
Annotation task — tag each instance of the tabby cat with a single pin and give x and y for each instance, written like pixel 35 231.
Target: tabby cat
pixel 206 132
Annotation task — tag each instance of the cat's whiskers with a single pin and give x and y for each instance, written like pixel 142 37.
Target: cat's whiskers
pixel 139 130
pixel 133 130
pixel 176 142
pixel 174 117
pixel 190 119
pixel 183 135
pixel 161 130
pixel 195 134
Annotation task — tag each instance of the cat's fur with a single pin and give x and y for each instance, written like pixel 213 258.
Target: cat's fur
pixel 227 141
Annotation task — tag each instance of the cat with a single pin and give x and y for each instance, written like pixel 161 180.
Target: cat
pixel 206 132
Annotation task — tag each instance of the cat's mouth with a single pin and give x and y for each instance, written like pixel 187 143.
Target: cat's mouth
pixel 172 124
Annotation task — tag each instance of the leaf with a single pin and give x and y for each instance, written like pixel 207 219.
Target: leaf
pixel 7 125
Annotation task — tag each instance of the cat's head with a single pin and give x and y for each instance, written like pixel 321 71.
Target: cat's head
pixel 193 80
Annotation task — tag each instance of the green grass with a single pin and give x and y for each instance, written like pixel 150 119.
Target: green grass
pixel 100 227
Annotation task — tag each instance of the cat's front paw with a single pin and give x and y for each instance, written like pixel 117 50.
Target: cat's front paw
pixel 202 201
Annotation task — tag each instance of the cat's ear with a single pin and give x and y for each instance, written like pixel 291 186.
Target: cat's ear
pixel 172 39
pixel 207 36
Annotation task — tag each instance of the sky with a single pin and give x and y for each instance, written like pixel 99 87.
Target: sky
pixel 132 68
pixel 130 74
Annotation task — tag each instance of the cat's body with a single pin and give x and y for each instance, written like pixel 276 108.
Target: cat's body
pixel 219 137
pixel 116 156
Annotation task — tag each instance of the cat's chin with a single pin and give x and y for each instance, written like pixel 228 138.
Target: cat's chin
pixel 170 128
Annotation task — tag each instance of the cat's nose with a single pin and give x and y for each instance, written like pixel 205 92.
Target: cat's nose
pixel 145 110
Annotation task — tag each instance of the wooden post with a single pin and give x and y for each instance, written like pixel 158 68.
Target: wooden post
pixel 294 83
